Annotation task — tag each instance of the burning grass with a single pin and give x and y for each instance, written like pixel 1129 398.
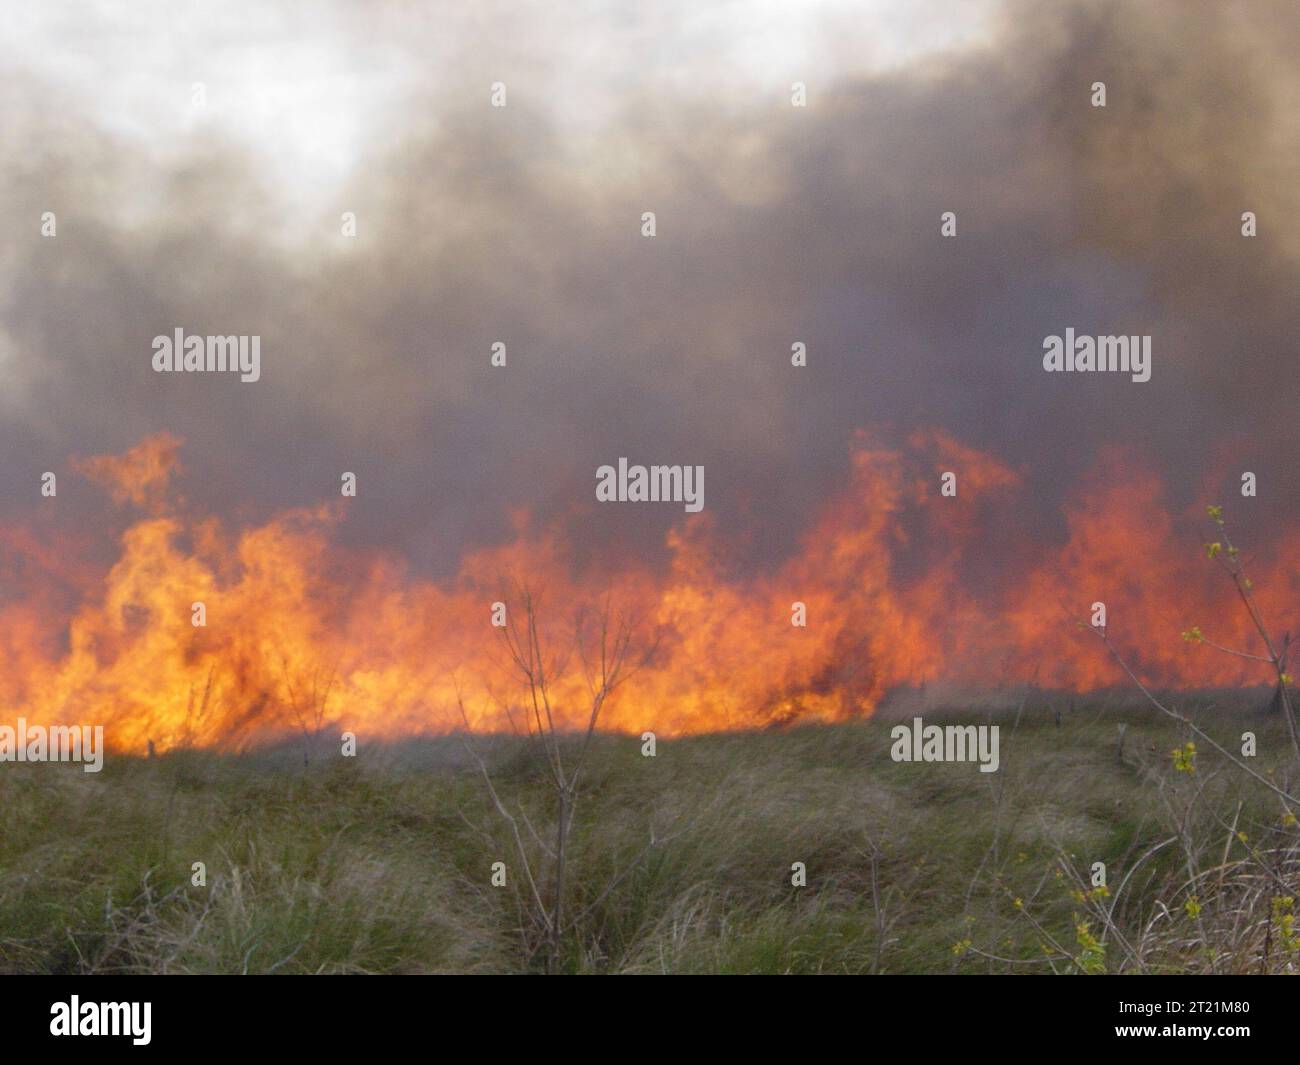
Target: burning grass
pixel 269 625
pixel 382 863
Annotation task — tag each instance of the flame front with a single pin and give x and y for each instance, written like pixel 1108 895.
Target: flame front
pixel 901 586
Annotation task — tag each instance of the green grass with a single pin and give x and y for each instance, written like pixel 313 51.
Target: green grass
pixel 382 863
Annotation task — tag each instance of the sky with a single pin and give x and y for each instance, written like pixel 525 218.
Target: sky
pixel 522 224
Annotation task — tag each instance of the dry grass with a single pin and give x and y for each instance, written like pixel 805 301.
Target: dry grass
pixel 381 863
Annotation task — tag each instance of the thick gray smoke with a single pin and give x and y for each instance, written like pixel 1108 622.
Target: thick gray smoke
pixel 523 224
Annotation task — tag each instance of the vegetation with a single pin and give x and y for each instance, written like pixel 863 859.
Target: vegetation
pixel 381 863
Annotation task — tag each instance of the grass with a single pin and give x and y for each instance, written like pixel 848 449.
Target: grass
pixel 382 863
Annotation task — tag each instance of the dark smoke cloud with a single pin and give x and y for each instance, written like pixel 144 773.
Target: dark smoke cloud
pixel 775 225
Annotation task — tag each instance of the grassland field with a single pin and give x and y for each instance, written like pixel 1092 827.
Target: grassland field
pixel 382 863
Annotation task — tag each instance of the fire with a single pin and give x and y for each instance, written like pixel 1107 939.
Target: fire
pixel 895 579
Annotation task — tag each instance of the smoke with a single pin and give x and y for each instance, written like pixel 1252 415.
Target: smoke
pixel 522 225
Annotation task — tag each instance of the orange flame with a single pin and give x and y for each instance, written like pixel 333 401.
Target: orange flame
pixel 884 571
